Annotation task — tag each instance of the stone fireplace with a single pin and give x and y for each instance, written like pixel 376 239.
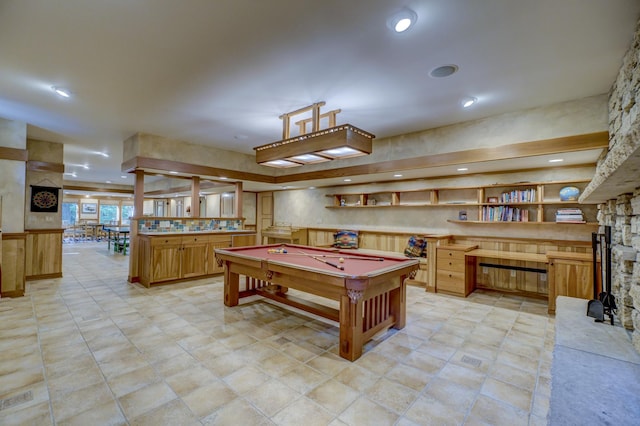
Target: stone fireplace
pixel 616 185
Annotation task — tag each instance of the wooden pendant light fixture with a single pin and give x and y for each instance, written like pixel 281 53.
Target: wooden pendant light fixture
pixel 332 143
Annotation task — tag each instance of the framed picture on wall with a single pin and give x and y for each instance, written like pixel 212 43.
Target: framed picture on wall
pixel 44 199
pixel 89 208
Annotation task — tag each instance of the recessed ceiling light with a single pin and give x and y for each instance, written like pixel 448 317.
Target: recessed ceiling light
pixel 463 169
pixel 556 160
pixel 402 20
pixel 108 181
pixel 63 93
pixel 397 175
pixel 173 173
pixel 123 177
pixel 443 71
pixel 347 180
pixel 467 102
pixel 223 178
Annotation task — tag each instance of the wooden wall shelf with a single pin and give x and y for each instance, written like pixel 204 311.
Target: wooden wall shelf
pixel 543 201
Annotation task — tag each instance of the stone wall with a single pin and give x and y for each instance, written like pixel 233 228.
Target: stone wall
pixel 623 212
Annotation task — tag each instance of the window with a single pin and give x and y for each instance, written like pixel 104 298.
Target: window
pixel 109 214
pixel 69 213
pixel 159 208
pixel 127 212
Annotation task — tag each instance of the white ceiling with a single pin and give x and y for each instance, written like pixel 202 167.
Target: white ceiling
pixel 220 72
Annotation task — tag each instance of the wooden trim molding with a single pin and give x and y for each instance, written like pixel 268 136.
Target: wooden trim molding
pixel 146 163
pixel 98 189
pixel 44 166
pixel 478 155
pixel 44 231
pixel 14 236
pixel 14 154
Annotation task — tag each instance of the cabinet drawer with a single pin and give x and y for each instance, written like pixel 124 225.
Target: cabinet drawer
pixel 451 276
pixel 160 241
pixel 450 254
pixel 451 264
pixel 191 239
pixel 449 285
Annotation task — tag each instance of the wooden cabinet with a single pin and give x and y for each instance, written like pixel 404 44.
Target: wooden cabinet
pixel 570 274
pixel 12 272
pixel 173 258
pixel 216 242
pixel 455 271
pixel 284 234
pixel 194 256
pixel 166 258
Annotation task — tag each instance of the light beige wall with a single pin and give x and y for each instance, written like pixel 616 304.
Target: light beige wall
pixel 13 134
pixel 249 206
pixel 50 152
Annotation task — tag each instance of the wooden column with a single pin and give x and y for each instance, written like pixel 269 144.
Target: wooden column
pixel 195 196
pixel 138 194
pixel 138 209
pixel 238 199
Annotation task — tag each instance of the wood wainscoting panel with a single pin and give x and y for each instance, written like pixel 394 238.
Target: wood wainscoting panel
pixel 13 265
pixel 43 254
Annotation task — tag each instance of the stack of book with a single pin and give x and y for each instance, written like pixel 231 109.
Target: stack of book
pixel 570 216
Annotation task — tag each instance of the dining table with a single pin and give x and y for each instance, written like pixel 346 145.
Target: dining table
pixel 118 235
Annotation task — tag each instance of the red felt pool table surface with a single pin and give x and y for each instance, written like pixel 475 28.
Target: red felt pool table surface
pixel 354 263
pixel 372 293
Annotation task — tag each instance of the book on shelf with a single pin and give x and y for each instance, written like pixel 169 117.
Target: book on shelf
pixel 519 196
pixel 504 214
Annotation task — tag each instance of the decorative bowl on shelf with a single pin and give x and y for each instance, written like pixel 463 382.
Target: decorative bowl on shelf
pixel 569 193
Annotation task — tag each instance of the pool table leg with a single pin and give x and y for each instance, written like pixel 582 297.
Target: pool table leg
pixel 398 305
pixel 350 328
pixel 231 287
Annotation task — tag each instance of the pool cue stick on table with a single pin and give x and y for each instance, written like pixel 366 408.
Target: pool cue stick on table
pixel 377 259
pixel 323 261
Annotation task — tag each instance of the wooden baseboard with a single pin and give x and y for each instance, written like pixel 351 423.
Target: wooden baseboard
pixel 43 276
pixel 15 293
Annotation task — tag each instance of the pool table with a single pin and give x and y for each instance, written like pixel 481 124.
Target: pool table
pixel 370 289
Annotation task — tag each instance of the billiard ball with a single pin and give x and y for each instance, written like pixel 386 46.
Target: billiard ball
pixel 341 260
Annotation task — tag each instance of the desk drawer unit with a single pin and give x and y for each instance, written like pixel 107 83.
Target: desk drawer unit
pixel 455 271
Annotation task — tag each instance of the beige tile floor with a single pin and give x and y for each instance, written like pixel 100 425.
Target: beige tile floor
pixel 92 349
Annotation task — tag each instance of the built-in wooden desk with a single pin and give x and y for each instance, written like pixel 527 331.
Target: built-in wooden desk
pixel 569 273
pixel 508 255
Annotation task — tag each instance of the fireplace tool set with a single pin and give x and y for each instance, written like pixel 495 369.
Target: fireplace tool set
pixel 603 303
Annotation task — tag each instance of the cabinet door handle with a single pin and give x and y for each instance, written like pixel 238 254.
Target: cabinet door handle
pixel 450 276
pixel 450 263
pixel 450 254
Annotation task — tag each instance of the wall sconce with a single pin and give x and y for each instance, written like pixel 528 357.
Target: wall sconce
pixel 335 142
